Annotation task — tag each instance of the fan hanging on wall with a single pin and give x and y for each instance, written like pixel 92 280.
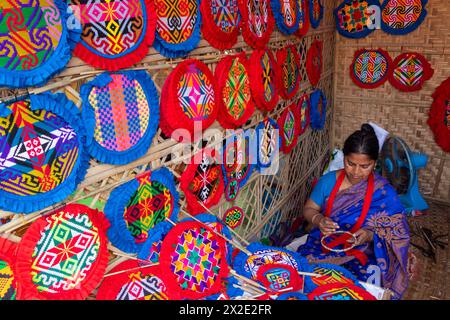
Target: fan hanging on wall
pixel 400 165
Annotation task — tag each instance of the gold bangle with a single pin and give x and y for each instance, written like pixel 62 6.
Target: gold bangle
pixel 312 220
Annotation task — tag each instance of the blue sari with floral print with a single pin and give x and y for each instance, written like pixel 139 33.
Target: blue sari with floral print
pixel 386 219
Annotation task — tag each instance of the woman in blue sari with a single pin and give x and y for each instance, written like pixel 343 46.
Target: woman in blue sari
pixel 359 201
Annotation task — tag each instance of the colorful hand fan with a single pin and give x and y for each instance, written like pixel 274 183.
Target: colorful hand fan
pixel 370 68
pixel 261 255
pixel 42 152
pixel 193 260
pixel 177 27
pixel 304 107
pixel 220 22
pixel 268 142
pixel 257 22
pixel 286 14
pixel 151 248
pixel 137 206
pixel 318 109
pixel 130 281
pixel 116 33
pixel 330 274
pixel 288 61
pixel 218 227
pixel 400 17
pixel 354 18
pixel 304 23
pixel 121 115
pixel 292 296
pixel 289 124
pixel 188 100
pixel 314 62
pixel 232 190
pixel 409 72
pixel 36 40
pixel 9 288
pixel 237 162
pixel 202 181
pixel 264 76
pixel 340 291
pixel 278 277
pixel 63 256
pixel 439 115
pixel 233 217
pixel 236 105
pixel 315 12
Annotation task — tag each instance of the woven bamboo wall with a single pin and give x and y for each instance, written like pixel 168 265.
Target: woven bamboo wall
pixel 283 194
pixel 401 113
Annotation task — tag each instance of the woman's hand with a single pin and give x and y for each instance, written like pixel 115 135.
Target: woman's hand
pixel 363 236
pixel 326 225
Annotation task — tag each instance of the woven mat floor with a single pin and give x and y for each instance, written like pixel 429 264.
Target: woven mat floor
pixel 431 281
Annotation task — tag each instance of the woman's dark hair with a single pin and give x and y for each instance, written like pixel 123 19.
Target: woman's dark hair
pixel 362 141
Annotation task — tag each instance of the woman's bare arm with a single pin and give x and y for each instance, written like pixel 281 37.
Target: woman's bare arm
pixel 311 212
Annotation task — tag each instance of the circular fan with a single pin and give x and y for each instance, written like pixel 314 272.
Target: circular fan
pixel 202 181
pixel 121 115
pixel 399 165
pixel 9 288
pixel 177 27
pixel 353 18
pixel 340 291
pixel 130 281
pixel 314 62
pixel 318 111
pixel 263 78
pixel 136 207
pixel 36 40
pixel 235 101
pixel 370 68
pixel 42 151
pixel 286 15
pixel 193 257
pixel 409 71
pixel 268 143
pixel 257 22
pixel 279 277
pixel 304 23
pixel 63 255
pixel 188 101
pixel 289 124
pixel 220 22
pixel 330 273
pixel 233 217
pixel 304 109
pixel 439 115
pixel 116 33
pixel 248 265
pixel 289 76
pixel 315 12
pixel 237 162
pixel 402 17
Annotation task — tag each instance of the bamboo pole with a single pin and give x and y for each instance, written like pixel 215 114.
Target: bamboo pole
pixel 231 230
pixel 234 244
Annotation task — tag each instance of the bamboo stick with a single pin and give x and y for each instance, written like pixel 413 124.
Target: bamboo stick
pixel 247 280
pixel 231 230
pixel 234 244
pixel 131 269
